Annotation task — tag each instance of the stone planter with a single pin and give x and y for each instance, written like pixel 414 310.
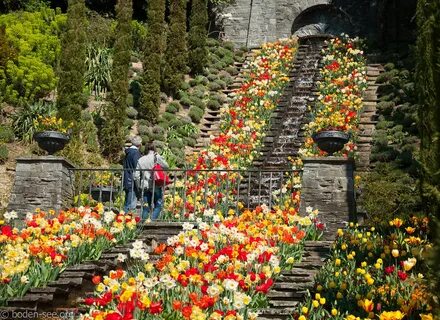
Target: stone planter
pixel 331 141
pixel 104 193
pixel 51 141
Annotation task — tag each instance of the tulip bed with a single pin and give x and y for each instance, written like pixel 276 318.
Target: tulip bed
pixel 34 255
pixel 243 127
pixel 340 94
pixel 222 269
pixel 374 275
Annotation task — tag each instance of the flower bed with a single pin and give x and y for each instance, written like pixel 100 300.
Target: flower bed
pixel 243 127
pixel 374 274
pixel 340 94
pixel 36 254
pixel 221 270
pixel 218 271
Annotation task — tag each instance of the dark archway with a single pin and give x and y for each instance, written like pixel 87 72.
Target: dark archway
pixel 322 19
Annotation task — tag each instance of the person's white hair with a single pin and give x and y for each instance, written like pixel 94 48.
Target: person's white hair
pixel 136 141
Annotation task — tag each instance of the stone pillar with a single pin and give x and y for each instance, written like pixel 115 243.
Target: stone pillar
pixel 328 185
pixel 41 182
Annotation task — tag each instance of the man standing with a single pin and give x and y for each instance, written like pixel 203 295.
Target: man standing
pixel 152 194
pixel 132 155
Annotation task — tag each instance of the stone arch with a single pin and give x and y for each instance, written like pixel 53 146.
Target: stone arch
pixel 321 19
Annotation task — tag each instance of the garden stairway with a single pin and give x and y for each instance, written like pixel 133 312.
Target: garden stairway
pixel 210 123
pixel 64 295
pixel 368 118
pixel 286 134
pixel 291 287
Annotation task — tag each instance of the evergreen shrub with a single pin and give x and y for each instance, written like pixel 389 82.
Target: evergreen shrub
pixel 131 112
pixel 6 134
pixel 4 153
pixel 196 114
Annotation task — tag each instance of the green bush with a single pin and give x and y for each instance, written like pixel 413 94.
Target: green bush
pixel 185 85
pixel 128 123
pixel 130 100
pixel 202 80
pixel 214 86
pixel 196 114
pixel 168 116
pixel 189 141
pixel 192 82
pixel 196 101
pixel 221 83
pixel 211 42
pixel 144 130
pixel 139 33
pixel 4 153
pixel 131 112
pixel 213 104
pixel 228 45
pixel 6 134
pixel 388 191
pixel 173 107
pixel 36 37
pixel 212 77
pixel 175 143
pixel 231 70
pixel 158 130
pixel 175 123
pixel 185 101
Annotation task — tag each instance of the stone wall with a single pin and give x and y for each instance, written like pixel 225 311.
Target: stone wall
pixel 264 21
pixel 328 185
pixel 41 182
pixel 253 22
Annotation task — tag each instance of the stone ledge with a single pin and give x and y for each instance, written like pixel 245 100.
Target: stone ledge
pixel 329 160
pixel 46 159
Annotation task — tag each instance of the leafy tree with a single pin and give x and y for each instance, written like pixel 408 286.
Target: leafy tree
pixel 176 53
pixel 428 88
pixel 198 53
pixel 29 51
pixel 151 77
pixel 72 65
pixel 113 131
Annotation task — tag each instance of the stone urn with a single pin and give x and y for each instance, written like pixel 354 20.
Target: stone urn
pixel 103 193
pixel 51 141
pixel 331 141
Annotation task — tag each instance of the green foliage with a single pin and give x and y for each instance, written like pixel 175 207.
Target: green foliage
pixel 72 65
pixel 151 77
pixel 34 48
pixel 131 112
pixel 428 89
pixel 4 153
pixel 196 114
pixel 176 52
pixel 389 191
pixel 23 120
pixel 213 104
pixel 113 134
pixel 27 5
pixel 89 133
pixel 139 34
pixel 185 86
pixel 98 70
pixel 6 134
pixel 173 107
pixel 100 30
pixel 198 36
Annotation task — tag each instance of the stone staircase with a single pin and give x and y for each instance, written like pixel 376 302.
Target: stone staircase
pixel 286 135
pixel 368 118
pixel 210 123
pixel 292 286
